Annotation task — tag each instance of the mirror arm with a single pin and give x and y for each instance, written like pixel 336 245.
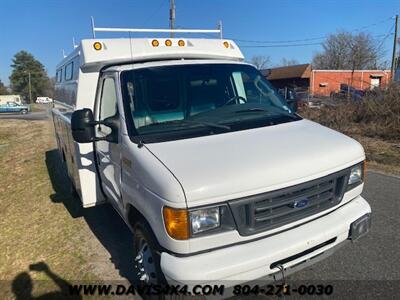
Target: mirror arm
pixel 94 123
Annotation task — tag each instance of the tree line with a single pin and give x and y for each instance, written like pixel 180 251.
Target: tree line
pixel 340 51
pixel 26 67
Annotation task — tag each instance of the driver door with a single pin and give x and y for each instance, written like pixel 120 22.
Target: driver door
pixel 108 154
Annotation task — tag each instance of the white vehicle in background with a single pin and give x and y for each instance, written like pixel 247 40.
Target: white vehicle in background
pixel 217 178
pixel 44 100
pixel 4 99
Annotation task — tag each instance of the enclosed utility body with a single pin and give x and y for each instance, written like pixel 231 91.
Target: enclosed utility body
pixel 219 180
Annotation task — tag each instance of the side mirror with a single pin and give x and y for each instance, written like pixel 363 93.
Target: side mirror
pixel 83 123
pixel 82 126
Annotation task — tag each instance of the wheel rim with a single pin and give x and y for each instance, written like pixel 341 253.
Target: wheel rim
pixel 145 264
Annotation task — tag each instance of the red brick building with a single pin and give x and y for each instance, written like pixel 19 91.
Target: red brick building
pixel 324 82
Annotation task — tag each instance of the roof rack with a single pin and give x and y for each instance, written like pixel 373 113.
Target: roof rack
pixel 108 29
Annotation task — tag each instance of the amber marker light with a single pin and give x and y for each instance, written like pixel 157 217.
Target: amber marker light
pixel 226 44
pixel 155 43
pixel 181 43
pixel 168 43
pixel 176 223
pixel 97 46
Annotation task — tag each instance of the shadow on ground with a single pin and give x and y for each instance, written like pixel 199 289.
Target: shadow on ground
pixel 103 220
pixel 22 285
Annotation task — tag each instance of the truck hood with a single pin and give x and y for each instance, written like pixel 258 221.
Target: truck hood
pixel 238 164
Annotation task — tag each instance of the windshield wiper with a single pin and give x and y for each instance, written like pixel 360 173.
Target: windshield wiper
pixel 250 110
pixel 209 124
pixel 206 124
pixel 263 111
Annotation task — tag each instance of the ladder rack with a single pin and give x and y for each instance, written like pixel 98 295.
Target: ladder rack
pixel 135 30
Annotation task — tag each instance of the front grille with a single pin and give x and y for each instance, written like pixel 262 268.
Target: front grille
pixel 270 210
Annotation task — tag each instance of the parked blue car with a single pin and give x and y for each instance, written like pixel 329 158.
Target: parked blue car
pixel 13 107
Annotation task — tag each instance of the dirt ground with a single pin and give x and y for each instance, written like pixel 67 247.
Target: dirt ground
pixel 45 235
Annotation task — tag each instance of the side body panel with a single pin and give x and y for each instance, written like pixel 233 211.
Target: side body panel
pixel 77 93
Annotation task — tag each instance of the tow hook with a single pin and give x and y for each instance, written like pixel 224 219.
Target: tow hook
pixel 284 284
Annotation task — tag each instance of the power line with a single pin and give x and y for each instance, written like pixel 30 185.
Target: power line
pixel 307 39
pixel 277 46
pixel 385 37
pixel 298 45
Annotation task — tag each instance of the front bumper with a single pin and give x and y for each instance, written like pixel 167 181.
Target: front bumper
pixel 254 260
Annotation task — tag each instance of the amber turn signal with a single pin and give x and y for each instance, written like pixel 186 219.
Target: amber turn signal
pixel 97 46
pixel 176 223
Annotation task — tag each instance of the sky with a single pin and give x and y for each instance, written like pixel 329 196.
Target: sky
pixel 46 27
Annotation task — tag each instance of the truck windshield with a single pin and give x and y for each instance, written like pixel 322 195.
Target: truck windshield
pixel 182 101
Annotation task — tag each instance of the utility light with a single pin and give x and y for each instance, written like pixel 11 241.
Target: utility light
pixel 97 46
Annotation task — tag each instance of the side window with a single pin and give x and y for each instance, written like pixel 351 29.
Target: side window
pixel 108 100
pixel 69 71
pixel 58 75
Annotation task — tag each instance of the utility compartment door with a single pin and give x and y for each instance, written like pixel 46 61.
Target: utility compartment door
pixel 108 154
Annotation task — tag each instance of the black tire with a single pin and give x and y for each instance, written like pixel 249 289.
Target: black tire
pixel 24 112
pixel 143 235
pixel 142 232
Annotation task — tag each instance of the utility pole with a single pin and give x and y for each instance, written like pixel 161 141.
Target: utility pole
pixel 30 87
pixel 394 47
pixel 172 16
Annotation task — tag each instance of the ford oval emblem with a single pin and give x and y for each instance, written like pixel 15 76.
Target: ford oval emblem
pixel 300 203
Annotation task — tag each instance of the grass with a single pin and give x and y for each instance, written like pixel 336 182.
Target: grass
pixel 39 107
pixel 33 228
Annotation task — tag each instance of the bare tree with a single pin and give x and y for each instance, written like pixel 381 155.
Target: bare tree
pixel 288 62
pixel 260 61
pixel 345 50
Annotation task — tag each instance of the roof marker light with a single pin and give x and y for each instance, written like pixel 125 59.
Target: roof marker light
pixel 155 43
pixel 168 43
pixel 97 46
pixel 181 43
pixel 226 44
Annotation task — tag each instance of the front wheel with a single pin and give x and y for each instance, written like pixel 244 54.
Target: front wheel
pixel 147 260
pixel 24 112
pixel 147 263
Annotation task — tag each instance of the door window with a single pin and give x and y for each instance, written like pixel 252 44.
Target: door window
pixel 108 102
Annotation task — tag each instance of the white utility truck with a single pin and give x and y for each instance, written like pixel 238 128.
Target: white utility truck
pixel 218 179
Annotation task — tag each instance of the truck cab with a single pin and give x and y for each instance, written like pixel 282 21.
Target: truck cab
pixel 217 177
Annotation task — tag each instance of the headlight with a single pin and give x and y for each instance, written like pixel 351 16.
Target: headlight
pixel 182 224
pixel 204 219
pixel 356 175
